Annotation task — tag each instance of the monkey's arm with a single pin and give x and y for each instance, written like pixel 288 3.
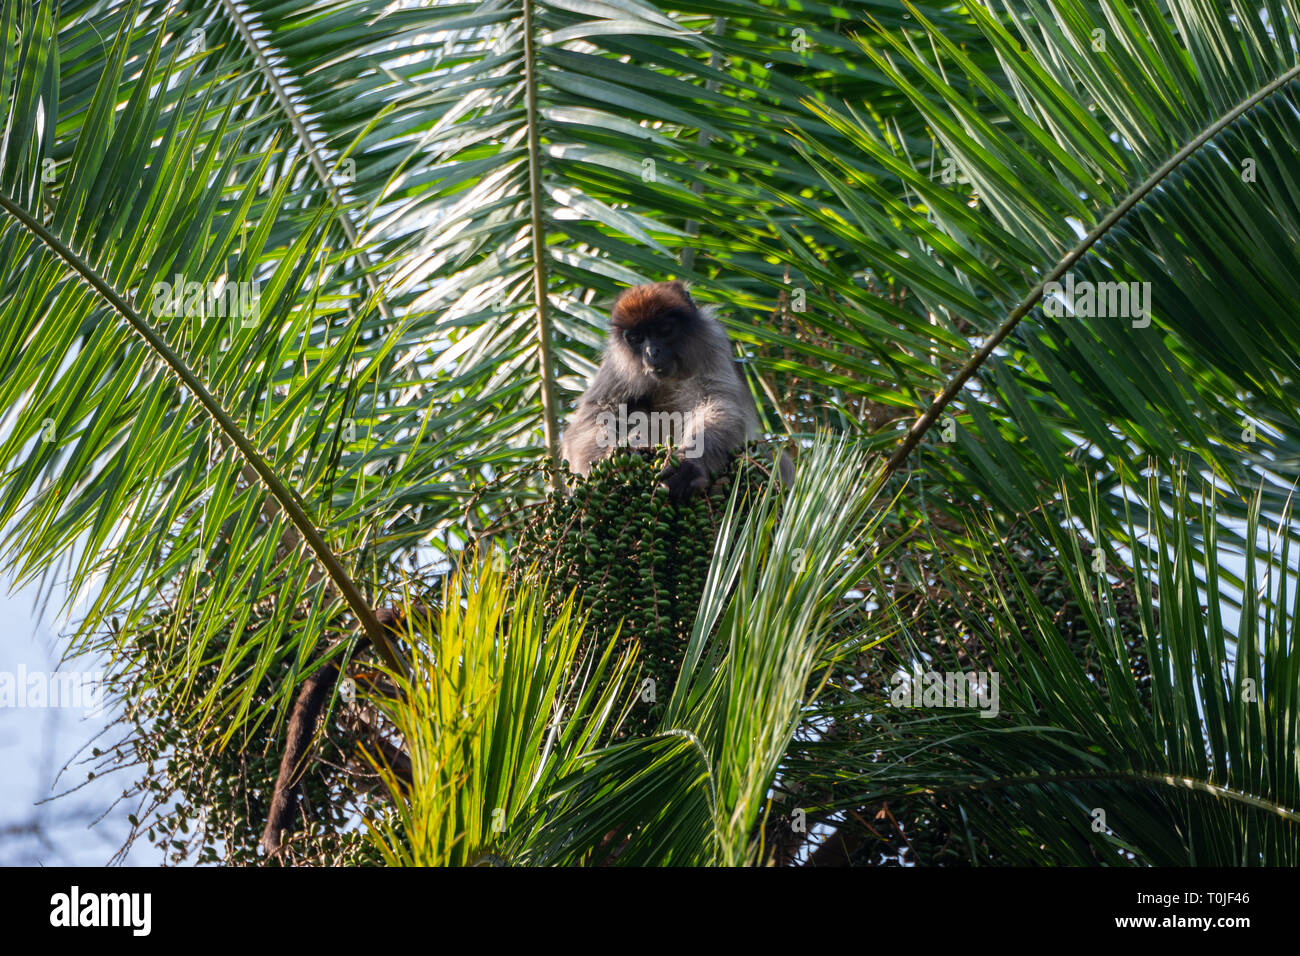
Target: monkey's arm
pixel 585 440
pixel 716 426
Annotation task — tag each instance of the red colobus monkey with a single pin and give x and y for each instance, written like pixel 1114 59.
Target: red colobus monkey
pixel 667 376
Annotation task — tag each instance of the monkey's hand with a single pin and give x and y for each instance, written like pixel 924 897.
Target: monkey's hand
pixel 683 478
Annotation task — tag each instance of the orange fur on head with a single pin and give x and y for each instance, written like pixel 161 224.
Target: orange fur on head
pixel 644 303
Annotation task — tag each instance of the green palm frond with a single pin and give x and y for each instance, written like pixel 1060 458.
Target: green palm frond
pixel 500 704
pixel 158 447
pixel 1186 760
pixel 1171 177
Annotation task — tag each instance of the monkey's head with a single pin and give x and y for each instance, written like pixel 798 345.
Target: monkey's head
pixel 652 327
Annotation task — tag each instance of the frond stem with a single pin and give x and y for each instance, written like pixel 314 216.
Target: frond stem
pixel 283 495
pixel 923 424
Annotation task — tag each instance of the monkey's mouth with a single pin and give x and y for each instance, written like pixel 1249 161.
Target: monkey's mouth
pixel 658 372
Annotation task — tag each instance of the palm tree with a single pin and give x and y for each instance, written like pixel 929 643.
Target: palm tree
pixel 294 298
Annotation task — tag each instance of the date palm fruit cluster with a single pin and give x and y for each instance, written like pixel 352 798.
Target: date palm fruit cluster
pixel 637 560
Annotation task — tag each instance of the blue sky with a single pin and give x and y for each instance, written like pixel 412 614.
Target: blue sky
pixel 35 745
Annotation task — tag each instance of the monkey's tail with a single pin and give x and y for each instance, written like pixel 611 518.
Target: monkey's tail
pixel 311 701
pixel 307 708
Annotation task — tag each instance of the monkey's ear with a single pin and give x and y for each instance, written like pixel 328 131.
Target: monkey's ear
pixel 679 286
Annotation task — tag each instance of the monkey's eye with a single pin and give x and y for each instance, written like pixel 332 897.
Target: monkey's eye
pixel 632 338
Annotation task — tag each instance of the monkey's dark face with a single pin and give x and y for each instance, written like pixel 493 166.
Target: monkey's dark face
pixel 653 326
pixel 655 346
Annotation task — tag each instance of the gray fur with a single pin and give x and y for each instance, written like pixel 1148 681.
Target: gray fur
pixel 708 388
